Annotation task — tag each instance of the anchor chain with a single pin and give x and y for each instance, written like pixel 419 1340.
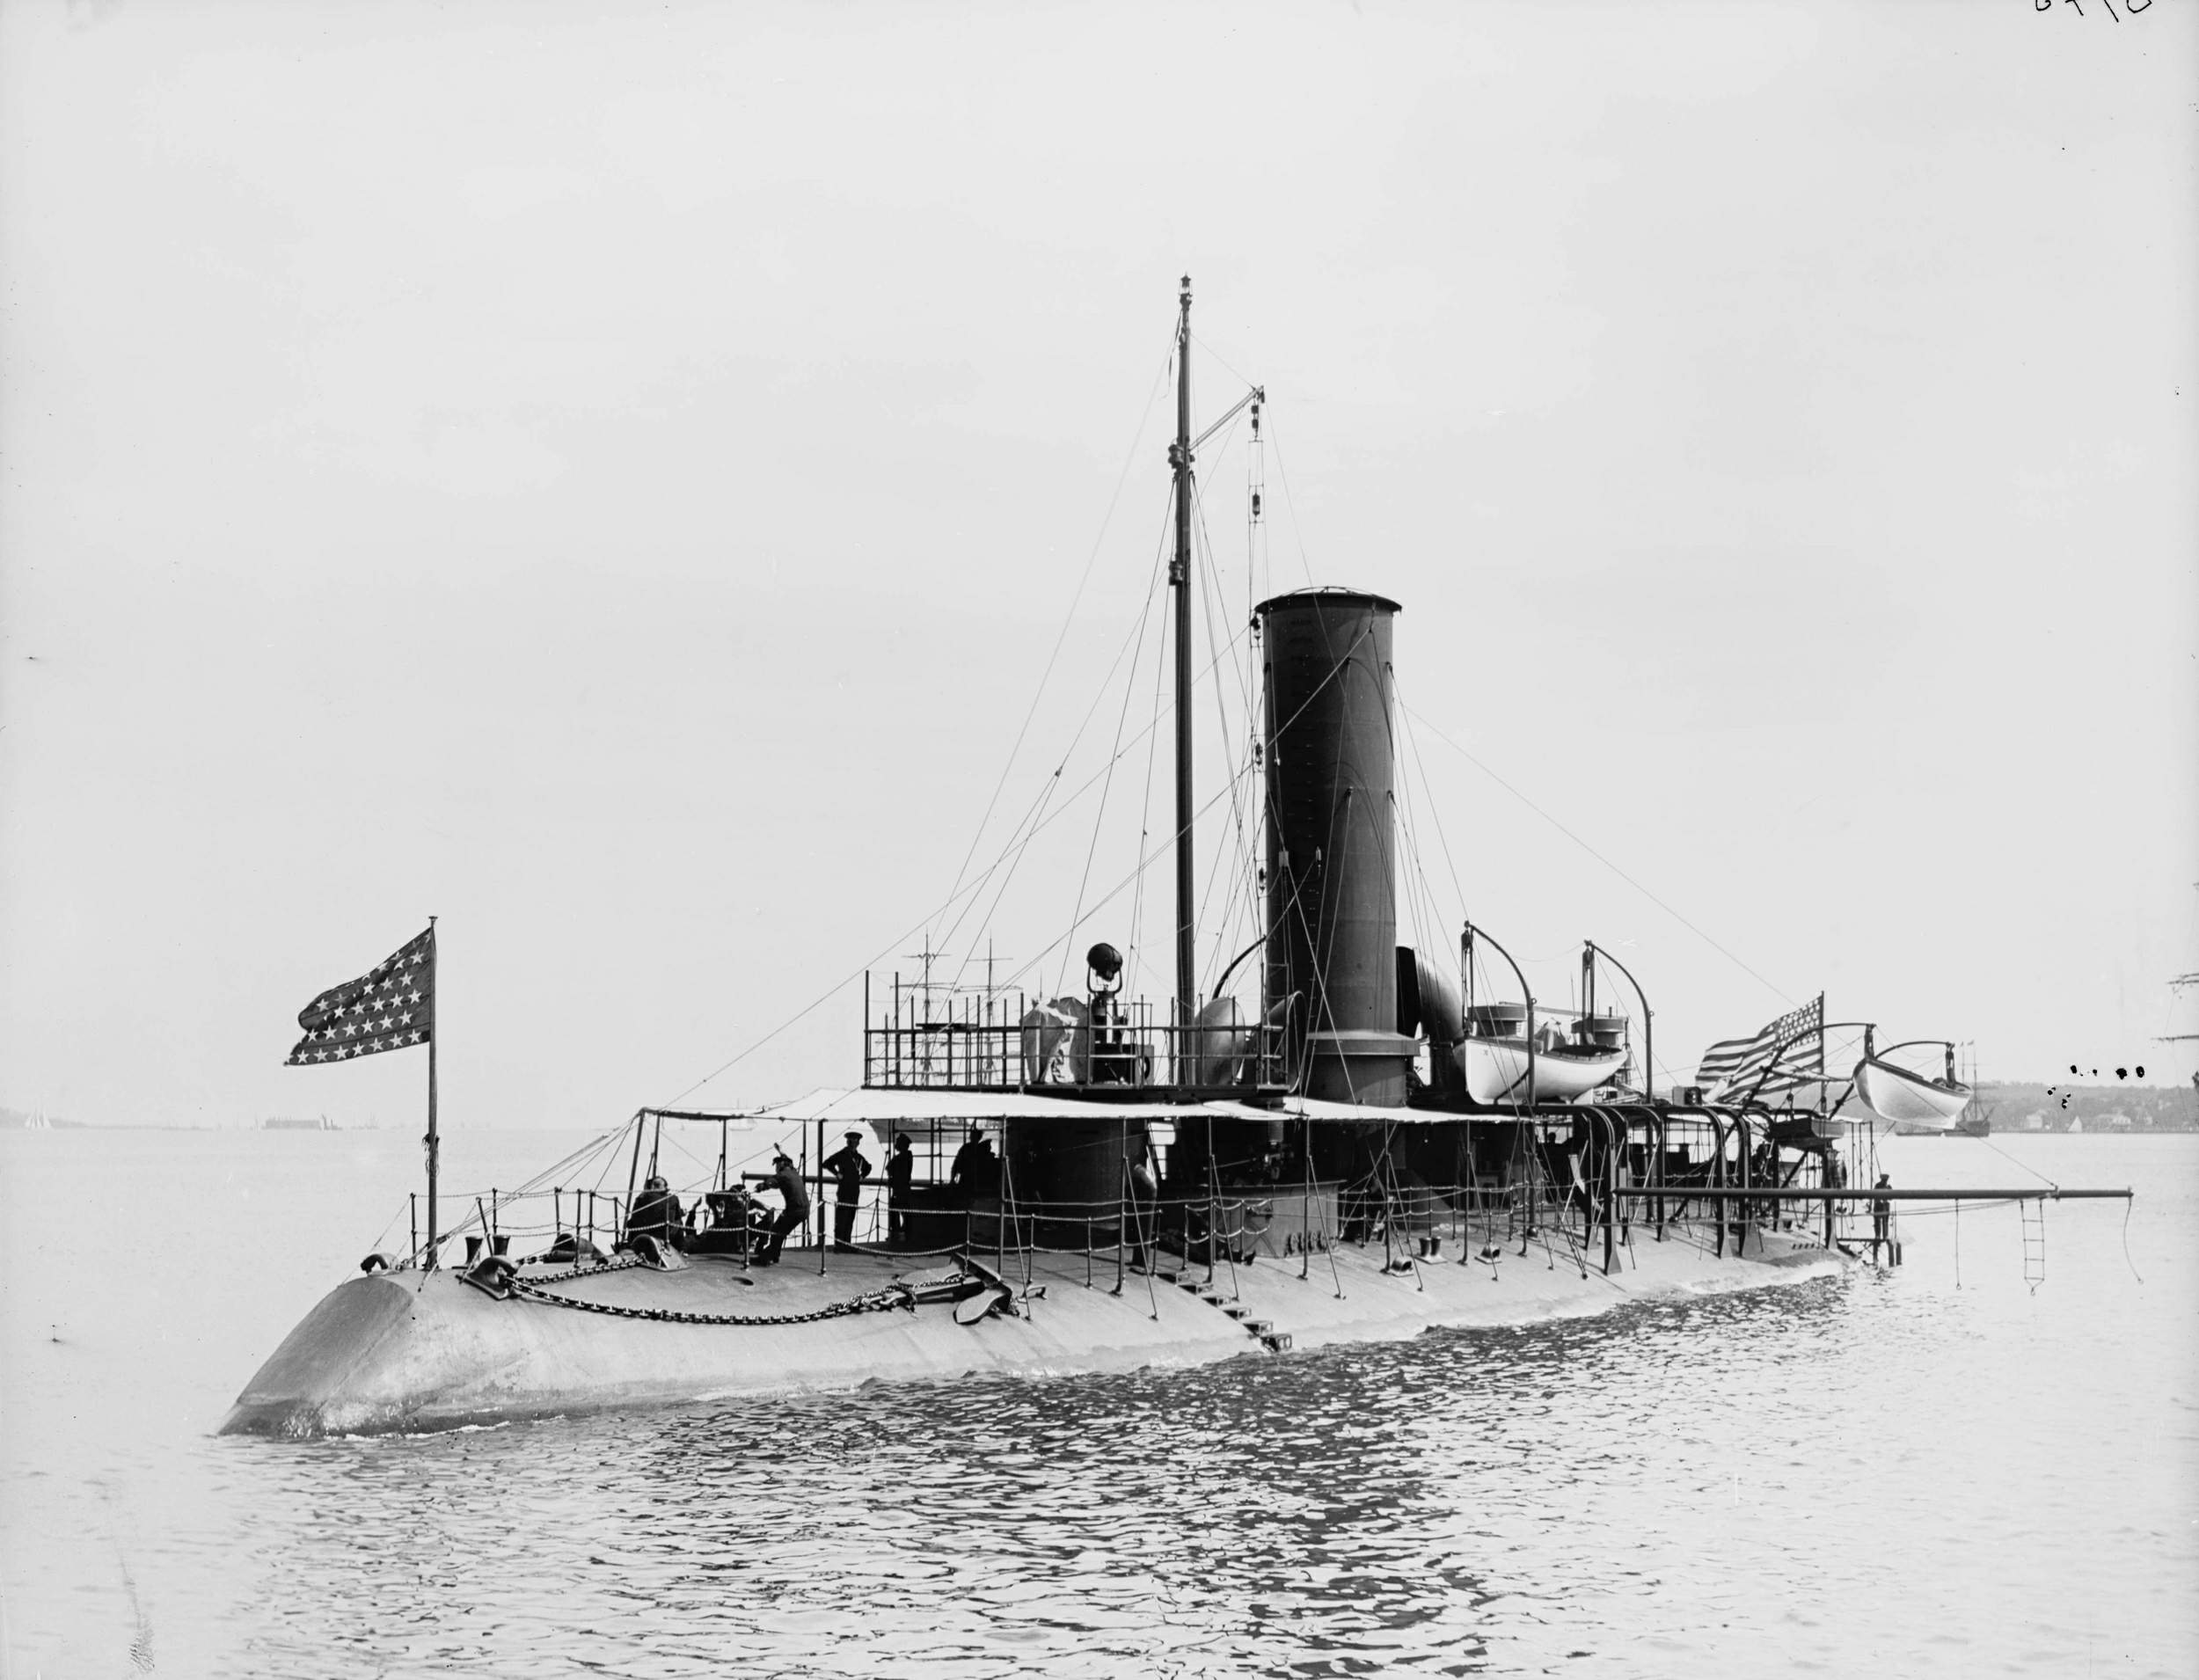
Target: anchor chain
pixel 885 1300
pixel 616 1263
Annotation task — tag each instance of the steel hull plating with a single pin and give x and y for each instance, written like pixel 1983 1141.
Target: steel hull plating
pixel 409 1351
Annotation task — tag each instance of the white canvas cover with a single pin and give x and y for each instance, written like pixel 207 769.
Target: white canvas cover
pixel 890 1108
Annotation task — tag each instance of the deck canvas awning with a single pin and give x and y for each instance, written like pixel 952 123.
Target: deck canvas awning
pixel 891 1108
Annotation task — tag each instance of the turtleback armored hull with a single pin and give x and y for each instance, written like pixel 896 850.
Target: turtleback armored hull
pixel 421 1350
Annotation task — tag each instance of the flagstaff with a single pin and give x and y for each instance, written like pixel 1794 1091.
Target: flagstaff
pixel 389 1007
pixel 434 1144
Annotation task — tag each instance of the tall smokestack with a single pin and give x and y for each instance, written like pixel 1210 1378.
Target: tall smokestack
pixel 1331 899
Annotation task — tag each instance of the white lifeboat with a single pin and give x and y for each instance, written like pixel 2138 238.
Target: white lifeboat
pixel 1495 1070
pixel 1493 1059
pixel 1909 1099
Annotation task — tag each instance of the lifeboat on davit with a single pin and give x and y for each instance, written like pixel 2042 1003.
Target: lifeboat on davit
pixel 1493 1059
pixel 1908 1099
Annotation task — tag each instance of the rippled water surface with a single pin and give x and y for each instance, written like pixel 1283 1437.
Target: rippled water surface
pixel 1934 1472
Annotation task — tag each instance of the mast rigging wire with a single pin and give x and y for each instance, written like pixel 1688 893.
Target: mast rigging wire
pixel 1601 859
pixel 937 909
pixel 1114 893
pixel 1211 592
pixel 1133 639
pixel 1298 530
pixel 1069 618
pixel 1144 811
pixel 1212 802
pixel 1129 687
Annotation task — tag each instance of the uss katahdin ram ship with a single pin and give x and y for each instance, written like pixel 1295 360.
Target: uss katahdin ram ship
pixel 1337 1138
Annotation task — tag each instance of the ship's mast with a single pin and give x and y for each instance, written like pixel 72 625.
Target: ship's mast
pixel 1179 580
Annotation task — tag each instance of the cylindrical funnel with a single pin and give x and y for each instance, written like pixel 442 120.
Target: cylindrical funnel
pixel 1332 897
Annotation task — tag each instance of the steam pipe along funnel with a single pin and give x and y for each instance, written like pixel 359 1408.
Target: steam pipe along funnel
pixel 1331 902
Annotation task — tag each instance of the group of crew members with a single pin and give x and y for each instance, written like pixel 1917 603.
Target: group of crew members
pixel 975 1180
pixel 657 1212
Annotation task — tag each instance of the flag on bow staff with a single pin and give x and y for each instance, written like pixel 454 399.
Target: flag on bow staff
pixel 389 1007
pixel 1782 1057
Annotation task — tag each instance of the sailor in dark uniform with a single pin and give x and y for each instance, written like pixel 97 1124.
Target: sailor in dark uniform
pixel 849 1169
pixel 656 1213
pixel 900 1173
pixel 788 1182
pixel 976 1169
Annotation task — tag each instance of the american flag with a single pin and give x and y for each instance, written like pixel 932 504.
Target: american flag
pixel 389 1007
pixel 1733 1067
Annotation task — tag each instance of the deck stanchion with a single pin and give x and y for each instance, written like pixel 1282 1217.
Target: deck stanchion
pixel 1305 1215
pixel 1532 1143
pixel 1741 1161
pixel 1152 1252
pixel 1610 1193
pixel 1121 1231
pixel 1389 1209
pixel 1718 1184
pixel 1212 1215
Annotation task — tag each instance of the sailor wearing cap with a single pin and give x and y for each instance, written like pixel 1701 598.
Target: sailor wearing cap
pixel 849 1169
pixel 656 1213
pixel 976 1169
pixel 787 1181
pixel 900 1174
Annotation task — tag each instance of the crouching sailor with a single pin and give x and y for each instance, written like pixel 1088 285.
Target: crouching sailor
pixel 787 1181
pixel 657 1213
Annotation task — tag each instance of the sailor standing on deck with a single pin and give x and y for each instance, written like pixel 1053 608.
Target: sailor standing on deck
pixel 1882 1213
pixel 787 1181
pixel 900 1173
pixel 849 1169
pixel 975 1172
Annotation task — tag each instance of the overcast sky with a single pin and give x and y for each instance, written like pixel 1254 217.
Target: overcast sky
pixel 612 479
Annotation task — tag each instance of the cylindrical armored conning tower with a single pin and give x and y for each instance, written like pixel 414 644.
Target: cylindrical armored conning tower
pixel 1331 899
